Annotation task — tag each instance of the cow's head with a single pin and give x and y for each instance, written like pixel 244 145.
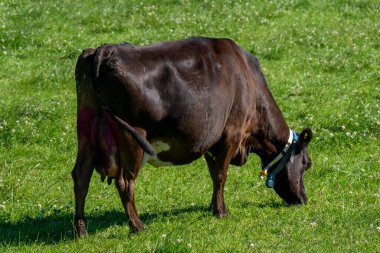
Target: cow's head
pixel 290 180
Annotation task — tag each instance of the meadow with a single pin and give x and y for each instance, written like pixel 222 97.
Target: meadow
pixel 322 63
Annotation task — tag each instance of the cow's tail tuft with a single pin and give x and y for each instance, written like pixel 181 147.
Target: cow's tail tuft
pixel 102 53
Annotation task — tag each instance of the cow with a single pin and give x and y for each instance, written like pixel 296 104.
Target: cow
pixel 171 103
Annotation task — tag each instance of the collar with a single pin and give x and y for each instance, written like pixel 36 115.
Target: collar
pixel 281 159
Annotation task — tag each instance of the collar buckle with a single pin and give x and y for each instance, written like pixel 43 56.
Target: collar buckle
pixel 282 158
pixel 263 174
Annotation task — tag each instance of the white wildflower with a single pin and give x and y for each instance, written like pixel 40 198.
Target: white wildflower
pixel 313 224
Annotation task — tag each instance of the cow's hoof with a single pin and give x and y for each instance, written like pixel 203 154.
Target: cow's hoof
pixel 80 228
pixel 136 228
pixel 136 231
pixel 220 214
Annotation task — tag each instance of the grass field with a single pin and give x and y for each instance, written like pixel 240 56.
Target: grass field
pixel 322 63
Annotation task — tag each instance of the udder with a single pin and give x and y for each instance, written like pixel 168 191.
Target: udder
pixel 107 151
pixel 99 132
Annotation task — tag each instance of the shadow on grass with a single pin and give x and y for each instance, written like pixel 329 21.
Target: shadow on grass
pixel 269 204
pixel 57 228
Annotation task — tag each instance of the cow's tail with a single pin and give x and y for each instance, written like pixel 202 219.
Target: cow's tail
pixel 100 54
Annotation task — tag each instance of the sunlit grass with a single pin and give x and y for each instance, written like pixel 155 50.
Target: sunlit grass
pixel 321 60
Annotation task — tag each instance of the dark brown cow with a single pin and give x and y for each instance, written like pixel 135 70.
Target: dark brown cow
pixel 171 103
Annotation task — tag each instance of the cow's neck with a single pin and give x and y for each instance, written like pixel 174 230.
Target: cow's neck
pixel 272 133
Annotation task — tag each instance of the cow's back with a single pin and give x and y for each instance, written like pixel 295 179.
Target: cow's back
pixel 185 94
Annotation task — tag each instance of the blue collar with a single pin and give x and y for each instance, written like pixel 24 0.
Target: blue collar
pixel 281 160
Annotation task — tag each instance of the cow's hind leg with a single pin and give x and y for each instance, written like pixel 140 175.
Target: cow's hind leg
pixel 131 161
pixel 81 175
pixel 126 188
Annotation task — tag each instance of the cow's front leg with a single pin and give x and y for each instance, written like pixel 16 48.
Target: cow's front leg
pixel 218 167
pixel 81 175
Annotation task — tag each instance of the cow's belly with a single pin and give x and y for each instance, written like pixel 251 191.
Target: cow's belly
pixel 159 147
pixel 170 153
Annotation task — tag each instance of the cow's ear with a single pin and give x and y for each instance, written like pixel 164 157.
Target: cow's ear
pixel 305 137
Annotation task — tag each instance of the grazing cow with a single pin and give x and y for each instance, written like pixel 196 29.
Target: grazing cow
pixel 171 103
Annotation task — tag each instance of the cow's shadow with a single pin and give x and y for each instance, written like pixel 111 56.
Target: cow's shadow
pixel 59 227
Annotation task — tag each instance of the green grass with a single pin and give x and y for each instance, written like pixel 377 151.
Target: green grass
pixel 321 59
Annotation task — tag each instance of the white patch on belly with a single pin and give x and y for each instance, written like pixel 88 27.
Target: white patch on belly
pixel 210 154
pixel 158 146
